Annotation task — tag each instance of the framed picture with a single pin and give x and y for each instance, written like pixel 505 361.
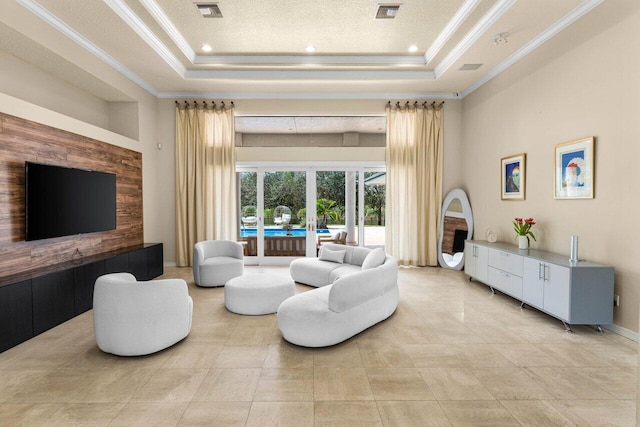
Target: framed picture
pixel 574 169
pixel 512 171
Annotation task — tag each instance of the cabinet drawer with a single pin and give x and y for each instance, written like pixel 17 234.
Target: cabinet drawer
pixel 505 261
pixel 506 282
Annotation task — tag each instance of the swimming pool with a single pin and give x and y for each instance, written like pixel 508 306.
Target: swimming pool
pixel 247 232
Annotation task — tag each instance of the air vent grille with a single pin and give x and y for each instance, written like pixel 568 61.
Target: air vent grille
pixel 387 11
pixel 209 10
pixel 470 67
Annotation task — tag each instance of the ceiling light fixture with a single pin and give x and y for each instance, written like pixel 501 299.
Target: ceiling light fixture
pixel 310 49
pixel 413 48
pixel 206 48
pixel 501 38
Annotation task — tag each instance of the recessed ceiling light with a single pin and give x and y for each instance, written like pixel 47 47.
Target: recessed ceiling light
pixel 413 48
pixel 206 48
pixel 310 49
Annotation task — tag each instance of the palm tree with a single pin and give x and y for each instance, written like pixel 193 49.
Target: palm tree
pixel 326 209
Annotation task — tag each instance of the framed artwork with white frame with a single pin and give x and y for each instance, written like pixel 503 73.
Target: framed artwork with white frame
pixel 574 174
pixel 512 172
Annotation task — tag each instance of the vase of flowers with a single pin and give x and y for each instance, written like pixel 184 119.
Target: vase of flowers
pixel 523 231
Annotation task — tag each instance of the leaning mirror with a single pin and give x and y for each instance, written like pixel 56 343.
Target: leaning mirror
pixel 456 226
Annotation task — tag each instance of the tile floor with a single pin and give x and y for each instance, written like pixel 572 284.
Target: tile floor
pixel 452 354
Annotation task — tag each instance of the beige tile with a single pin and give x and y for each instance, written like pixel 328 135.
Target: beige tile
pixel 398 384
pixel 421 334
pixel 573 355
pixel 94 358
pixel 26 414
pixel 619 382
pixel 598 412
pixel 281 414
pixel 412 413
pixel 346 414
pixel 194 355
pixel 288 356
pixel 524 355
pixel 88 414
pixel 11 382
pixel 510 384
pixel 454 384
pixel 285 385
pixel 55 387
pixel 344 355
pixel 615 354
pixel 250 336
pixel 158 414
pixel 384 355
pixel 477 413
pixel 563 383
pixel 228 385
pixel 437 356
pixel 171 385
pixel 533 413
pixel 341 384
pixel 216 414
pixel 112 385
pixel 241 357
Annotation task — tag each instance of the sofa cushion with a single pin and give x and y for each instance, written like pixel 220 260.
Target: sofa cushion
pixel 358 255
pixel 343 270
pixel 331 255
pixel 374 259
pixel 312 271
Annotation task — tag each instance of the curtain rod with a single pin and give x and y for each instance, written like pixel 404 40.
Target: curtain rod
pixel 415 104
pixel 195 103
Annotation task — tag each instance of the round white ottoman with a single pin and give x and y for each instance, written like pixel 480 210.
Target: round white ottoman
pixel 257 294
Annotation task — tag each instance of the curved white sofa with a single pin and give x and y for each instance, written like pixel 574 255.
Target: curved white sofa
pixel 134 318
pixel 355 301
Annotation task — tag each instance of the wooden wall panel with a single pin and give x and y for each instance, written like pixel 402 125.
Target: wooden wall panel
pixel 22 140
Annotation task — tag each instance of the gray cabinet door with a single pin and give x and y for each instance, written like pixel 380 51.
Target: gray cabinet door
pixel 533 283
pixel 557 291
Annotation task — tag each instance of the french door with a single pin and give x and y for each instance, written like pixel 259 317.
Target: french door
pixel 285 211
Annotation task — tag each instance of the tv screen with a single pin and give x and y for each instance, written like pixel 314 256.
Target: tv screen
pixel 64 201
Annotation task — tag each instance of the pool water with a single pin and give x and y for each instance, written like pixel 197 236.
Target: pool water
pixel 247 232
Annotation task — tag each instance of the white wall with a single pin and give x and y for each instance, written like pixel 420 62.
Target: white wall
pixel 584 82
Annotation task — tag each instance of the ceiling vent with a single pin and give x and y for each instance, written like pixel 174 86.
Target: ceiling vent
pixel 470 67
pixel 387 11
pixel 208 10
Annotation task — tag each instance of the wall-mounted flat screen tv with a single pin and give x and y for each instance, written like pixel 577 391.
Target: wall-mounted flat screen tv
pixel 63 201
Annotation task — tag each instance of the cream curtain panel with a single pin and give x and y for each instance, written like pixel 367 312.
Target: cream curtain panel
pixel 414 183
pixel 205 178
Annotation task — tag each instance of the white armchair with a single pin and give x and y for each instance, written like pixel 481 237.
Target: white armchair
pixel 217 261
pixel 134 318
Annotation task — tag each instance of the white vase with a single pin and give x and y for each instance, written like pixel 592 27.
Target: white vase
pixel 523 242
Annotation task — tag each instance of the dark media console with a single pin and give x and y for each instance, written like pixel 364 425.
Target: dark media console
pixel 36 301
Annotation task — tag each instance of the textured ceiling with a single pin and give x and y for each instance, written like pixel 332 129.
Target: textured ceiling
pixel 258 47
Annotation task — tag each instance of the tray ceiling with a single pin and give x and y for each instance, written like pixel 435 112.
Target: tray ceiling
pixel 258 49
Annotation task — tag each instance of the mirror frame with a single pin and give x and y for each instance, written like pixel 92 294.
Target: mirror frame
pixel 456 193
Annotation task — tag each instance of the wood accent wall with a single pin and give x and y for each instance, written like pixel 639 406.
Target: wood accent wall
pixel 451 224
pixel 22 140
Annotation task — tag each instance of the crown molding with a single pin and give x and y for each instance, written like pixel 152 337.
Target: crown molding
pixel 172 31
pixel 582 9
pixel 452 26
pixel 399 60
pixel 308 95
pixel 72 34
pixel 309 74
pixel 486 22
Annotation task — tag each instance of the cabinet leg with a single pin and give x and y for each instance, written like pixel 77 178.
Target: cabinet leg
pixel 492 290
pixel 600 329
pixel 522 304
pixel 567 327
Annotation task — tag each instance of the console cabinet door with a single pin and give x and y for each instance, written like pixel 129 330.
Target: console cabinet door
pixel 533 283
pixel 476 261
pixel 557 291
pixel 16 323
pixel 53 300
pixel 84 281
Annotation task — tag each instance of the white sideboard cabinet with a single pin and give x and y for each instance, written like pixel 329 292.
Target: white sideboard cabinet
pixel 576 293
